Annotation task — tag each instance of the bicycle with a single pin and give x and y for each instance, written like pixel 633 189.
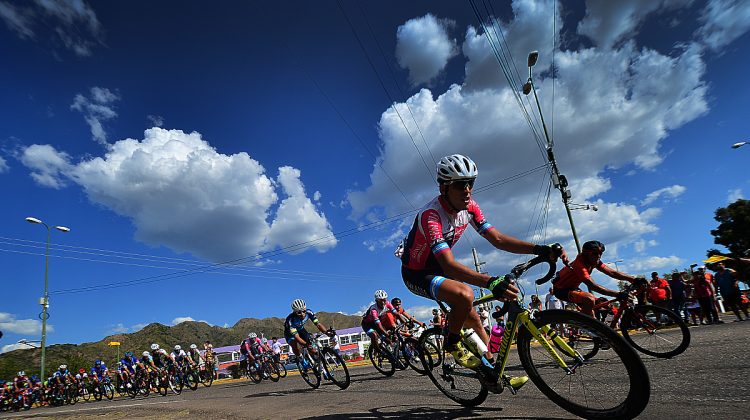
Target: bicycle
pixel 252 370
pixel 619 387
pixel 327 363
pixel 103 388
pixel 649 329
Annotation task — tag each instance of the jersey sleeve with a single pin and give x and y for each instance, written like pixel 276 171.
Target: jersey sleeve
pixel 480 223
pixel 312 317
pixel 432 227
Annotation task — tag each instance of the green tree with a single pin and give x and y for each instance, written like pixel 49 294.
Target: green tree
pixel 734 228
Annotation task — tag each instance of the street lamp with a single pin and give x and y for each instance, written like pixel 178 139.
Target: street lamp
pixel 592 207
pixel 739 144
pixel 44 301
pixel 615 263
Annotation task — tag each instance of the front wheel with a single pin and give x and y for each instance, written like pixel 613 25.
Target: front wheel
pixel 381 359
pixel 335 368
pixel 615 384
pixel 309 374
pixel 457 382
pixel 655 331
pixel 207 377
pixel 282 369
pixel 412 350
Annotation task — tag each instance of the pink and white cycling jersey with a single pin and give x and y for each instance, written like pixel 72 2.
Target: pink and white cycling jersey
pixel 374 312
pixel 436 229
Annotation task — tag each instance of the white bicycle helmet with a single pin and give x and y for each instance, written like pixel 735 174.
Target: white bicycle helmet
pixel 381 294
pixel 193 347
pixel 456 167
pixel 63 367
pixel 299 305
pixel 154 347
pixel 177 347
pixel 252 335
pixel 21 373
pixel 146 354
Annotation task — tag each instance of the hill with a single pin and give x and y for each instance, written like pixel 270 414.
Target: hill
pixel 185 333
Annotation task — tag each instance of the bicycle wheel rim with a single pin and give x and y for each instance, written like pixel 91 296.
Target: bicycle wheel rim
pixel 336 368
pixel 308 375
pixel 415 361
pixel 430 344
pixel 380 361
pixel 456 382
pixel 655 331
pixel 614 384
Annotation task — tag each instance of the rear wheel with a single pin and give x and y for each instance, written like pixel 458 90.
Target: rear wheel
pixel 335 368
pixel 655 331
pixel 381 359
pixel 615 384
pixel 458 383
pixel 411 352
pixel 207 377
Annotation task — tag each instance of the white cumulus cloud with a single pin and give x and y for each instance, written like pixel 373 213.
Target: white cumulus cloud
pixel 3 165
pixel 734 195
pixel 9 323
pixel 181 319
pixel 667 193
pixel 10 347
pixel 424 47
pixel 181 193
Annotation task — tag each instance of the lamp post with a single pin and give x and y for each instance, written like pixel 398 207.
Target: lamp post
pixel 558 179
pixel 739 144
pixel 615 263
pixel 576 206
pixel 29 343
pixel 44 301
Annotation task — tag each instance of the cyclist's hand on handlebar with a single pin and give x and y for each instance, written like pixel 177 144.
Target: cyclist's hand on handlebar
pixel 552 252
pixel 503 287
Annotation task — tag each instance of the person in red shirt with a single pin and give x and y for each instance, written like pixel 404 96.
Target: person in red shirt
pixel 391 320
pixel 704 292
pixel 659 292
pixel 567 282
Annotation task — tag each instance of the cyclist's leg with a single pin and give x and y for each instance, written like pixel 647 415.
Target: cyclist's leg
pixel 459 297
pixel 584 300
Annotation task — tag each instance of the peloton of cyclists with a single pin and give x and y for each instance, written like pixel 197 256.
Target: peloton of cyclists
pixel 429 268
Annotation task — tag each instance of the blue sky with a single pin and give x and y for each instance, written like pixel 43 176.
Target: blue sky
pixel 171 137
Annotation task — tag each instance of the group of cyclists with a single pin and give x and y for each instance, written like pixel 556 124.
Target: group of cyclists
pixel 66 386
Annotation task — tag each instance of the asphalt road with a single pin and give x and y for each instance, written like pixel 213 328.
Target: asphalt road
pixel 709 380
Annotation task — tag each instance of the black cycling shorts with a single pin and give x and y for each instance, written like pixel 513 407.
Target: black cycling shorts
pixel 425 283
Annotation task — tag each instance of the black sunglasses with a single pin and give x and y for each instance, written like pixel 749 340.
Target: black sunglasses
pixel 461 185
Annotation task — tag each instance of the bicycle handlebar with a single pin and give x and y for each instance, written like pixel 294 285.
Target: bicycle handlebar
pixel 518 270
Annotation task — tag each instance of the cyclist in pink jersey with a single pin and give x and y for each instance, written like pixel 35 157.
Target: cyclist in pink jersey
pixel 429 268
pixel 371 318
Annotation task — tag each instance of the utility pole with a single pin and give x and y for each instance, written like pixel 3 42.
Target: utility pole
pixel 478 265
pixel 558 180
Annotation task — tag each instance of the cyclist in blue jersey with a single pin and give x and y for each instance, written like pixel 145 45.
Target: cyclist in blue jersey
pixel 127 367
pixel 294 327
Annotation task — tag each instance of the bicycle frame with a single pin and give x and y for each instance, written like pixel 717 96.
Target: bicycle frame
pixel 626 305
pixel 517 316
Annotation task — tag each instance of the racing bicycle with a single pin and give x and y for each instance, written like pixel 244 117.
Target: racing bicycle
pixel 323 363
pixel 614 385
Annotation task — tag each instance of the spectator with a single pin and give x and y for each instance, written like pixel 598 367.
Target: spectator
pixel 276 349
pixel 211 361
pixel 659 292
pixel 552 302
pixel 535 303
pixel 703 292
pixel 485 318
pixel 714 296
pixel 729 287
pixel 498 315
pixel 677 284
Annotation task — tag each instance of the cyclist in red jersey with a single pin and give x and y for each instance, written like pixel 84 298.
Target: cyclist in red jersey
pixel 566 284
pixel 429 268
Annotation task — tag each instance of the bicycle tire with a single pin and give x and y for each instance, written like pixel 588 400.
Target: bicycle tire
pixel 254 374
pixel 675 336
pixel 445 373
pixel 271 371
pixel 411 354
pixel 192 380
pixel 207 377
pixel 109 391
pixel 614 397
pixel 97 392
pixel 85 394
pixel 383 363
pixel 431 346
pixel 336 368
pixel 175 384
pixel 309 375
pixel 282 369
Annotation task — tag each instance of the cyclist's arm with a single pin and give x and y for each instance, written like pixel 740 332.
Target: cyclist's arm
pixel 593 287
pixel 615 274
